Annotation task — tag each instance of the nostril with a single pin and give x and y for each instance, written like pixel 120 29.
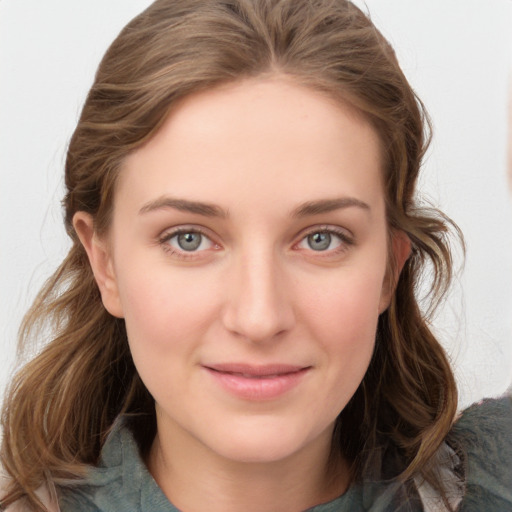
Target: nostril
pixel 258 322
pixel 258 306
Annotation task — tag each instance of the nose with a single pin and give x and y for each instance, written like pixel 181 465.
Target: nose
pixel 259 306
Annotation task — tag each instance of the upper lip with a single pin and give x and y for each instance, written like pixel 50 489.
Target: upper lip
pixel 255 370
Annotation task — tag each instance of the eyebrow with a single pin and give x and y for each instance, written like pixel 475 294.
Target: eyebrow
pixel 212 210
pixel 328 205
pixel 184 205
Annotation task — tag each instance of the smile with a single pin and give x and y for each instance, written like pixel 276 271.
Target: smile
pixel 257 383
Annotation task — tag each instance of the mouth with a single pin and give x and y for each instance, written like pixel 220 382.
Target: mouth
pixel 257 382
pixel 256 371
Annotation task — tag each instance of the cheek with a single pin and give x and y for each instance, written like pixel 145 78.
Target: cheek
pixel 166 316
pixel 344 319
pixel 165 310
pixel 347 304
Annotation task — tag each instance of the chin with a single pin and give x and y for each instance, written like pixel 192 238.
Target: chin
pixel 265 442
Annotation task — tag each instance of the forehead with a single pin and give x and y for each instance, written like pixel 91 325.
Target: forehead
pixel 267 136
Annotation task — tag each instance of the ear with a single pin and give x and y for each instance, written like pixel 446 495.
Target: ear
pixel 101 263
pixel 400 252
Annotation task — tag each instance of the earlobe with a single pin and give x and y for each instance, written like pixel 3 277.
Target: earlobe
pixel 101 262
pixel 400 252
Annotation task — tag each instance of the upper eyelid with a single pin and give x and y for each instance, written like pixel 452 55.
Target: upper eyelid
pixel 176 230
pixel 326 228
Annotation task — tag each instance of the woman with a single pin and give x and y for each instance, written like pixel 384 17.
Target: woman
pixel 235 326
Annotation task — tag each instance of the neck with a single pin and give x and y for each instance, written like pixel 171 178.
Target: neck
pixel 194 478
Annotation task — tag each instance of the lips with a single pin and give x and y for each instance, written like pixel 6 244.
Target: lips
pixel 255 382
pixel 252 371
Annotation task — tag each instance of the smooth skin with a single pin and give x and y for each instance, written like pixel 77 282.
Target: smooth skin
pixel 250 230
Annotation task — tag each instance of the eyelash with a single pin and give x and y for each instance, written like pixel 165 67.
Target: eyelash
pixel 164 241
pixel 346 240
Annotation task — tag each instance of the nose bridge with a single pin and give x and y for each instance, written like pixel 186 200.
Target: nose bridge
pixel 259 306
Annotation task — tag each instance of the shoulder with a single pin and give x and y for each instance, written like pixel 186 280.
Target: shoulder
pixel 483 434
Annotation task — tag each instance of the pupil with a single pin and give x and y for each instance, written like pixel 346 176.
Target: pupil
pixel 319 241
pixel 189 241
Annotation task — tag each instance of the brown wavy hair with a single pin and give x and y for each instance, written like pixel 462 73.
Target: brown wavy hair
pixel 61 405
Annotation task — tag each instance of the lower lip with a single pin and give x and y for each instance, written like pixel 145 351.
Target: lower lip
pixel 258 388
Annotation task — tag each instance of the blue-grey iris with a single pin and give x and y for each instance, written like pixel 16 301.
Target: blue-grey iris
pixel 319 241
pixel 189 241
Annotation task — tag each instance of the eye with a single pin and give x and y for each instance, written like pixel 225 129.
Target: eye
pixel 186 241
pixel 325 240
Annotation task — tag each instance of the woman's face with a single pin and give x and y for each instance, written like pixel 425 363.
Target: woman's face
pixel 248 255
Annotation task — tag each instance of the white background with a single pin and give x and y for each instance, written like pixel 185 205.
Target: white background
pixel 457 55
